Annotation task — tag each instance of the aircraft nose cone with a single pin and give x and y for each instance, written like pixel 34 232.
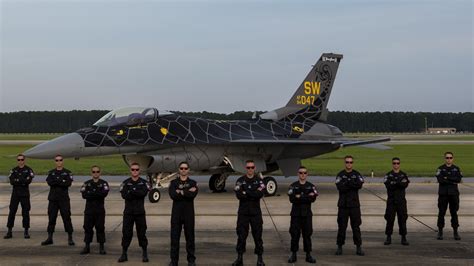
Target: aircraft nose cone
pixel 69 145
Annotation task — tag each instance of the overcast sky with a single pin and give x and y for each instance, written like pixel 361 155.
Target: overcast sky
pixel 224 56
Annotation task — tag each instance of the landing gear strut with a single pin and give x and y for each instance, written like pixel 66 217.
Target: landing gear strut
pixel 158 181
pixel 217 182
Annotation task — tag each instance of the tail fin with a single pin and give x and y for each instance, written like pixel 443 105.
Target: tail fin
pixel 311 98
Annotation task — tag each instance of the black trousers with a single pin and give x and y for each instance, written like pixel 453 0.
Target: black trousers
pixel 453 202
pixel 127 230
pixel 400 210
pixel 243 222
pixel 64 207
pixel 96 220
pixel 343 216
pixel 178 222
pixel 301 225
pixel 25 210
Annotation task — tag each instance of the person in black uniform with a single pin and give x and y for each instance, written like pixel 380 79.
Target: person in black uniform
pixel 134 191
pixel 249 189
pixel 20 178
pixel 59 179
pixel 348 182
pixel 396 181
pixel 94 192
pixel 449 176
pixel 182 191
pixel 302 193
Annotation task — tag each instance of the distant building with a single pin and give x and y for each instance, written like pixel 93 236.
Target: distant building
pixel 441 130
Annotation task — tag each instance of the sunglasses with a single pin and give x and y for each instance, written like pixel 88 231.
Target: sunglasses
pixel 95 172
pixel 250 167
pixel 20 160
pixel 395 163
pixel 183 168
pixel 349 162
pixel 135 169
pixel 302 173
pixel 449 157
pixel 60 160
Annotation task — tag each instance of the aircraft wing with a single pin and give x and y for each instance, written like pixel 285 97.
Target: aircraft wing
pixel 368 143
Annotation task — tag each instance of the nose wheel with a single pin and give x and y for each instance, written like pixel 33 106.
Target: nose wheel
pixel 156 181
pixel 217 182
pixel 154 195
pixel 271 186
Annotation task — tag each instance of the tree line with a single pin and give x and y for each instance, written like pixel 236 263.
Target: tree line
pixel 69 121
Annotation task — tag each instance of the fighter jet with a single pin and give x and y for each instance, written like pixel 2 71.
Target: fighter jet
pixel 160 140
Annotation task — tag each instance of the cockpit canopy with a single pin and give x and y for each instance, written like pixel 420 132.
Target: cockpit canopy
pixel 130 116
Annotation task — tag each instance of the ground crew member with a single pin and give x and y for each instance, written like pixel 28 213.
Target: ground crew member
pixel 449 176
pixel 134 191
pixel 396 181
pixel 182 191
pixel 94 192
pixel 302 193
pixel 20 178
pixel 348 182
pixel 59 179
pixel 249 189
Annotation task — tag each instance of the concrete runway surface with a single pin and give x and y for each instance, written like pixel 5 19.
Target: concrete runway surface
pixel 215 229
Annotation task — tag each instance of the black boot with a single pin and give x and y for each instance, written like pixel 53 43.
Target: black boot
pixel 388 241
pixel 86 249
pixel 404 241
pixel 124 256
pixel 192 263
pixel 144 254
pixel 440 234
pixel 260 261
pixel 359 251
pixel 292 257
pixel 26 234
pixel 102 249
pixel 239 261
pixel 339 250
pixel 9 234
pixel 310 258
pixel 456 234
pixel 70 242
pixel 48 241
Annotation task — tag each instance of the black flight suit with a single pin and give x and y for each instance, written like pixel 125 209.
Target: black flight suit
pixel 396 183
pixel 348 184
pixel 59 182
pixel 20 179
pixel 301 214
pixel 134 193
pixel 249 192
pixel 448 178
pixel 94 213
pixel 182 215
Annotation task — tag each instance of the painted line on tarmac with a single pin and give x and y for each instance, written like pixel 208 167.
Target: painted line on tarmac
pixel 276 229
pixel 413 217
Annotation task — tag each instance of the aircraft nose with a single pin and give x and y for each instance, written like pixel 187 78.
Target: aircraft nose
pixel 69 145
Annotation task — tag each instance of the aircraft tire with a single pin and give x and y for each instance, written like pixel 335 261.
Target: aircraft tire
pixel 271 186
pixel 154 195
pixel 213 184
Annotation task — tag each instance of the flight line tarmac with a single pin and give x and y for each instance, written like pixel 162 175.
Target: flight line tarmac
pixel 216 216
